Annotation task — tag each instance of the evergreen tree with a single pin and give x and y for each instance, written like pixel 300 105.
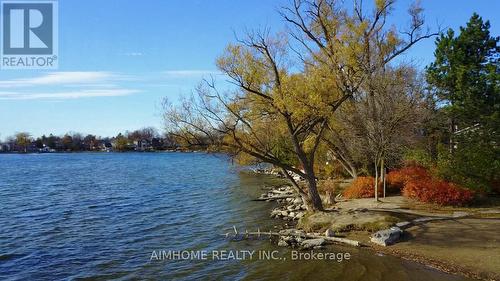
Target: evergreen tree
pixel 465 79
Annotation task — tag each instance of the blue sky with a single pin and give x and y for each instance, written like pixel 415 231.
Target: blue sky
pixel 119 58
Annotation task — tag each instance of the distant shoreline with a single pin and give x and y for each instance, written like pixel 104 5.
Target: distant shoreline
pixel 103 152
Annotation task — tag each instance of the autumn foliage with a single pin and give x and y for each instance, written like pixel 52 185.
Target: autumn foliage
pixel 362 187
pixel 416 182
pixel 398 178
pixel 437 191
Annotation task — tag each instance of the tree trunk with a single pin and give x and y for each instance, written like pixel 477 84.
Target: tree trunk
pixel 382 175
pixel 376 181
pixel 348 167
pixel 304 196
pixel 315 202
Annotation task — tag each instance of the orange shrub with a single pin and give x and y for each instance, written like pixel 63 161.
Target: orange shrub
pixel 396 179
pixel 362 187
pixel 437 191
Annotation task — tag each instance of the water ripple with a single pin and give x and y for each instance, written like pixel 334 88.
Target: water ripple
pixel 99 216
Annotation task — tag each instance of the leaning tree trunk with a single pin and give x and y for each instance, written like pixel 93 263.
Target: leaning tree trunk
pixel 316 203
pixel 303 195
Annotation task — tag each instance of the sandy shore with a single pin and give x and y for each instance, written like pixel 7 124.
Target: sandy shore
pixel 469 246
pixel 463 241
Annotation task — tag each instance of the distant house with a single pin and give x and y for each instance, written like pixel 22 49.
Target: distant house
pixel 142 145
pixel 106 146
pixel 44 149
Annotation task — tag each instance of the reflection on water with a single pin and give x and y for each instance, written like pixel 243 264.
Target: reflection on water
pixel 100 216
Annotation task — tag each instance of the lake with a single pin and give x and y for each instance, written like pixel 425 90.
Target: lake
pixel 102 216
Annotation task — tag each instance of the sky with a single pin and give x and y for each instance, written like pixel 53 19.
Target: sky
pixel 118 59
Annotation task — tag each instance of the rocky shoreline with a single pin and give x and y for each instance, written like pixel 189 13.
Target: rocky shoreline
pixel 290 204
pixel 291 209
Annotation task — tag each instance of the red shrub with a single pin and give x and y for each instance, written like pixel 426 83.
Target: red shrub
pixel 362 187
pixel 396 179
pixel 437 191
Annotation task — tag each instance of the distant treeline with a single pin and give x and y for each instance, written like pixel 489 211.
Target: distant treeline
pixel 146 139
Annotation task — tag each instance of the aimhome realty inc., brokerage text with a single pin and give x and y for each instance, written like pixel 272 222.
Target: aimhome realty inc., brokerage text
pixel 226 255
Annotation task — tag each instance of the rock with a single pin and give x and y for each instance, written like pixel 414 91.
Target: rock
pixel 284 213
pixel 299 215
pixel 311 243
pixel 403 224
pixel 290 208
pixel 387 237
pixel 276 213
pixel 292 214
pixel 329 233
pixel 282 243
pixel 297 200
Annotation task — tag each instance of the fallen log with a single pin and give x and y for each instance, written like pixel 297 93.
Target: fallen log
pixel 259 234
pixel 337 240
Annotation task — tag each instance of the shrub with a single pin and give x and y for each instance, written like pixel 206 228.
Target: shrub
pixel 437 191
pixel 398 178
pixel 418 157
pixel 362 187
pixel 474 165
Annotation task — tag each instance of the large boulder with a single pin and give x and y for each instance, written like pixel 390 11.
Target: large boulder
pixel 387 236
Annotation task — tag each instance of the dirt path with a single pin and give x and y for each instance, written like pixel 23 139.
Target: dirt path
pixel 468 245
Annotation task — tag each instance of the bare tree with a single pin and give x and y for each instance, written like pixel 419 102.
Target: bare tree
pixel 354 48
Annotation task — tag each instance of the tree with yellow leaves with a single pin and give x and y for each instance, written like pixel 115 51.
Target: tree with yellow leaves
pixel 286 92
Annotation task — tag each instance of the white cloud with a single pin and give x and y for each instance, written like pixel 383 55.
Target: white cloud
pixel 65 85
pixel 67 95
pixel 60 78
pixel 87 84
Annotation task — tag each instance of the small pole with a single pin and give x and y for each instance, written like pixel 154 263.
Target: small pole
pixel 385 173
pixel 235 231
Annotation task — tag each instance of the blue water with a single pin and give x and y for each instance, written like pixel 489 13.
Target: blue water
pixel 99 216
